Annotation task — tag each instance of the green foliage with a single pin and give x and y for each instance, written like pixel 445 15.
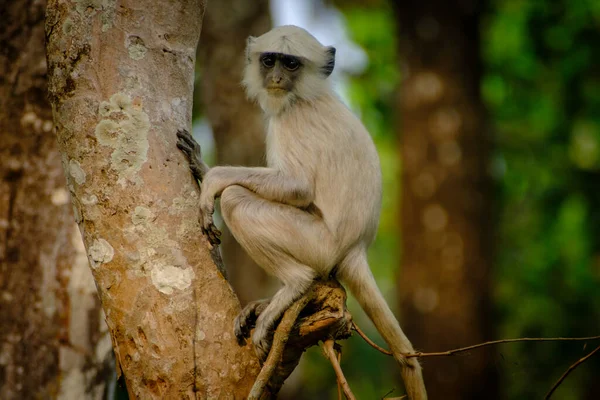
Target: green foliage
pixel 373 91
pixel 541 87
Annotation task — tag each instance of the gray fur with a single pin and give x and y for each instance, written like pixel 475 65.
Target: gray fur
pixel 320 157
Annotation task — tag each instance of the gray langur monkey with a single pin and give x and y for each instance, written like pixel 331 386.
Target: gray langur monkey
pixel 314 210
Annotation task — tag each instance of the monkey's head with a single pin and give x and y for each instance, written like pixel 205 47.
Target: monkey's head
pixel 284 65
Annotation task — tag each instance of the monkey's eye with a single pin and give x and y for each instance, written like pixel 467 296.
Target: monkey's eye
pixel 268 60
pixel 290 63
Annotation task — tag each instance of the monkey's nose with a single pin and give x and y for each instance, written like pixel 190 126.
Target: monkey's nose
pixel 277 79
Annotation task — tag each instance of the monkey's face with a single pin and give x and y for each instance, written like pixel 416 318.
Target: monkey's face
pixel 284 66
pixel 279 72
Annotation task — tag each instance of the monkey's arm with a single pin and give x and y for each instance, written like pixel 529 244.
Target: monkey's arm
pixel 268 183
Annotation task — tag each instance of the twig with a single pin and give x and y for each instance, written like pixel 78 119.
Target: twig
pixel 494 342
pixel 369 341
pixel 330 353
pixel 568 371
pixel 388 393
pixel 491 343
pixel 280 338
pixel 339 385
pixel 463 349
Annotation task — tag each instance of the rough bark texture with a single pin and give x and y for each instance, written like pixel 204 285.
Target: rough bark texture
pixel 446 197
pixel 52 339
pixel 237 123
pixel 121 81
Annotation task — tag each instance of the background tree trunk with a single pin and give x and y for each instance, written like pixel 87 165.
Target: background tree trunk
pixel 446 197
pixel 169 309
pixel 52 339
pixel 236 122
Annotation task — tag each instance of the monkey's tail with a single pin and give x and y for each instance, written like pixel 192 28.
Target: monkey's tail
pixel 361 283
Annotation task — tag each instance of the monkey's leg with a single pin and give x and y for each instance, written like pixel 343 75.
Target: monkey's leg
pixel 281 301
pixel 289 243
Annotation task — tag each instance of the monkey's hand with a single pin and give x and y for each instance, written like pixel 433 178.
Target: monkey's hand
pixel 246 320
pixel 208 227
pixel 193 152
pixel 208 193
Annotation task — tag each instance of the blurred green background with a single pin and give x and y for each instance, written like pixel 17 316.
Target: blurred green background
pixel 540 85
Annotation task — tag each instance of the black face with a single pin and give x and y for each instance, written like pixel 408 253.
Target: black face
pixel 279 71
pixel 269 60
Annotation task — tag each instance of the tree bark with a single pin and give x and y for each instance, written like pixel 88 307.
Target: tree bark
pixel 121 81
pixel 53 343
pixel 236 122
pixel 446 196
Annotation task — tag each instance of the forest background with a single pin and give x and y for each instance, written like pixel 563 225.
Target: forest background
pixel 539 84
pixel 486 116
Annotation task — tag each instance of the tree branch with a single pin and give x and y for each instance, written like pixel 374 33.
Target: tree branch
pixel 568 371
pixel 280 339
pixel 472 347
pixel 339 385
pixel 324 317
pixel 495 342
pixel 369 341
pixel 330 353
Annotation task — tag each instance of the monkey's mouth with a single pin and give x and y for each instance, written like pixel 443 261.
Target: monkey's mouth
pixel 277 90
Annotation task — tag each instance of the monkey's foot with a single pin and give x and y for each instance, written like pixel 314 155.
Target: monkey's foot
pixel 262 338
pixel 246 320
pixel 192 151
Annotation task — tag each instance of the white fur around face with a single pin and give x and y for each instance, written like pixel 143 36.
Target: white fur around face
pixel 295 41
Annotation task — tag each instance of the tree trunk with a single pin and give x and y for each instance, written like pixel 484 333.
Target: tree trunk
pixel 446 197
pixel 53 343
pixel 236 122
pixel 121 81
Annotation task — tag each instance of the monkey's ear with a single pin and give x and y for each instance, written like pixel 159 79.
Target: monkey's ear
pixel 329 61
pixel 249 42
